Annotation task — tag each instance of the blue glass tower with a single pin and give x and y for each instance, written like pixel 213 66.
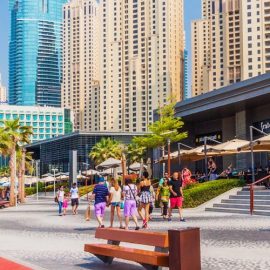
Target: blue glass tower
pixel 35 52
pixel 186 91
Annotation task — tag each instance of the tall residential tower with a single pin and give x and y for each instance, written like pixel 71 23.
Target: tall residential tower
pixel 81 62
pixel 142 51
pixel 35 52
pixel 231 43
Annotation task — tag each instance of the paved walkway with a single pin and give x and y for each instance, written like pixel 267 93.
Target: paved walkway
pixel 35 234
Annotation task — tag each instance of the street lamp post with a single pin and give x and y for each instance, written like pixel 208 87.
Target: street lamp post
pixel 37 177
pixel 179 152
pixel 251 129
pixel 205 154
pixel 86 165
pixel 54 170
pixel 169 156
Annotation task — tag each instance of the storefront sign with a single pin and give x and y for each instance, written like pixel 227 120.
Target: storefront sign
pixel 217 136
pixel 263 126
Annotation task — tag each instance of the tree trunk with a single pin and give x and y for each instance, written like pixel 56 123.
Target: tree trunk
pixel 12 199
pixel 20 182
pixel 22 176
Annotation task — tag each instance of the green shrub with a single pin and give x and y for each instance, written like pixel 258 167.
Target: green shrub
pixel 200 193
pixel 84 190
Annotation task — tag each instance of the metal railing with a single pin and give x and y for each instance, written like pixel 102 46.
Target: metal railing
pixel 251 190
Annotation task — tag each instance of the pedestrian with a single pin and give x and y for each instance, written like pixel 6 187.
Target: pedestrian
pixel 60 199
pixel 74 191
pixel 65 204
pixel 163 194
pixel 176 195
pixel 212 168
pixel 151 207
pixel 161 181
pixel 130 205
pixel 186 177
pixel 145 199
pixel 115 201
pixel 88 209
pixel 101 197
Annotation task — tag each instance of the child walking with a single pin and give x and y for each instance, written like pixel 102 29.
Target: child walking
pixel 163 194
pixel 65 204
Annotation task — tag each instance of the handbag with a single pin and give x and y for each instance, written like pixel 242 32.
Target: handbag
pixel 56 199
pixel 122 205
pixel 137 201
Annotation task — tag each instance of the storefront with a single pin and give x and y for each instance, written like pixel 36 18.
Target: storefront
pixel 225 114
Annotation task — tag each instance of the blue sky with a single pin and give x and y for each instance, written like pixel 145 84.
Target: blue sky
pixel 192 11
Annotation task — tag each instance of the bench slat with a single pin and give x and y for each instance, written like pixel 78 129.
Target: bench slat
pixel 157 239
pixel 130 254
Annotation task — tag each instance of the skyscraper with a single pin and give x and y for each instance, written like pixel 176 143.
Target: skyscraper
pixel 230 43
pixel 186 88
pixel 81 62
pixel 35 52
pixel 142 48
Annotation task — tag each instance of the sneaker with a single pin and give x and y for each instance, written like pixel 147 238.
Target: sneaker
pixel 137 228
pixel 102 226
pixel 182 220
pixel 169 219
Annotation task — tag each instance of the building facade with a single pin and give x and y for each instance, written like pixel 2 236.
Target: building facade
pixel 35 52
pixel 55 152
pixel 230 43
pixel 47 122
pixel 186 86
pixel 3 92
pixel 80 87
pixel 223 115
pixel 142 48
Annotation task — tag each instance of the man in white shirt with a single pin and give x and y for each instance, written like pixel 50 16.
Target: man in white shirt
pixel 74 193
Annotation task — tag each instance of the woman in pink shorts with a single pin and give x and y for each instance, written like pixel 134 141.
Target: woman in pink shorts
pixel 130 208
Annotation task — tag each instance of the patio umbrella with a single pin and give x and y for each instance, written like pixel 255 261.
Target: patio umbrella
pixel 91 172
pixel 259 145
pixel 118 170
pixel 4 180
pixel 109 163
pixel 80 176
pixel 6 184
pixel 136 166
pixel 229 146
pixel 48 179
pixel 47 175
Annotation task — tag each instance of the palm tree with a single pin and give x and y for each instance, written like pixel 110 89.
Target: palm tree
pixel 104 149
pixel 135 152
pixel 17 136
pixel 23 161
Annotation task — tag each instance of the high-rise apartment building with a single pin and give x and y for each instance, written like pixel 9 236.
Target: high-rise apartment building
pixel 35 52
pixel 186 87
pixel 142 47
pixel 81 63
pixel 231 43
pixel 3 92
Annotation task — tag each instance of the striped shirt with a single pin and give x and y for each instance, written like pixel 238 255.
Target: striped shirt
pixel 101 192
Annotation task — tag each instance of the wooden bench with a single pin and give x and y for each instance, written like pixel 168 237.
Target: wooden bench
pixel 178 249
pixel 4 204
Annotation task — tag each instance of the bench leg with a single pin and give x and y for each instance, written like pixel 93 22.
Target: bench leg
pixel 109 260
pixel 151 267
pixel 105 259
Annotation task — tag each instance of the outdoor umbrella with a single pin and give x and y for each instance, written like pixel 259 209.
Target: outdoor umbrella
pixel 109 163
pixel 136 166
pixel 48 179
pixel 91 172
pixel 259 145
pixel 6 184
pixel 229 146
pixel 4 180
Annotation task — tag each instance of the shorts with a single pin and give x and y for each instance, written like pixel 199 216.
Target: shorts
pixel 116 204
pixel 130 208
pixel 100 209
pixel 176 202
pixel 74 202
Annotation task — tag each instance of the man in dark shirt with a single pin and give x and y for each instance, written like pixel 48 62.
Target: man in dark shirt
pixel 176 197
pixel 101 196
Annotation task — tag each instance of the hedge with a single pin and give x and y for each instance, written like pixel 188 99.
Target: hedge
pixel 32 190
pixel 198 194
